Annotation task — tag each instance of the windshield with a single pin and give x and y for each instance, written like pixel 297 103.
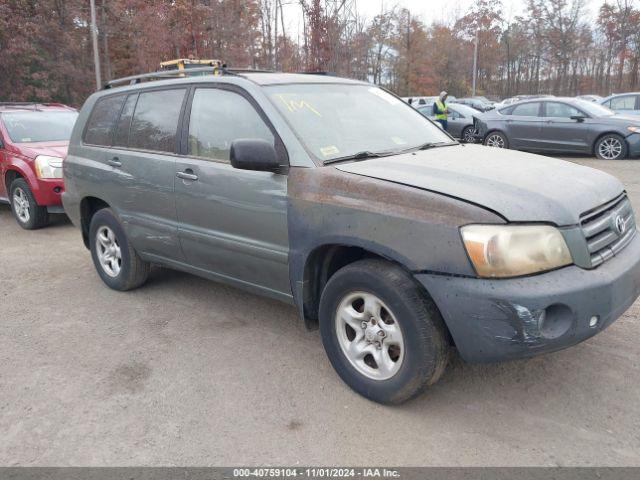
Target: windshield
pixel 337 120
pixel 463 109
pixel 28 127
pixel 594 109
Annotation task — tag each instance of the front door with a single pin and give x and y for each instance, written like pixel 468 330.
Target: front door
pixel 562 133
pixel 232 223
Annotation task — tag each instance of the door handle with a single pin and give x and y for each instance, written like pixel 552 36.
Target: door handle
pixel 115 162
pixel 187 175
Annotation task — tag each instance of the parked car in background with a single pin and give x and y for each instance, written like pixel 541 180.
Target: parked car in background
pixel 591 98
pixel 475 103
pixel 562 125
pixel 460 123
pixel 627 103
pixel 337 197
pixel 33 143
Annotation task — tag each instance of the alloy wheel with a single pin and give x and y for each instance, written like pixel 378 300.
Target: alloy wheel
pixel 21 205
pixel 610 148
pixel 495 141
pixel 369 335
pixel 108 250
pixel 469 135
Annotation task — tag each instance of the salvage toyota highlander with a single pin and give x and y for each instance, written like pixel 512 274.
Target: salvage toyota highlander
pixel 393 239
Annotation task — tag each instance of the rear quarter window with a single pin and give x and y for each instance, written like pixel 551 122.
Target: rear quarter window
pixel 99 129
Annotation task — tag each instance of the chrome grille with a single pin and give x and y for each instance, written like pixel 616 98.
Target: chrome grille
pixel 608 229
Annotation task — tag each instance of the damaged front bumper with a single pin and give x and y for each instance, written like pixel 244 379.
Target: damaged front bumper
pixel 496 320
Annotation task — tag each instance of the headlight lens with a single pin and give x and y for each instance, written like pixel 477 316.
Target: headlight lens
pixel 48 167
pixel 513 250
pixel 634 129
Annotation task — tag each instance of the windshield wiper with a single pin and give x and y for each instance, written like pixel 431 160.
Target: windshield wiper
pixel 356 156
pixel 428 145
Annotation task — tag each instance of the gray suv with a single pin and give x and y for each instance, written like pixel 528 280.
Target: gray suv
pixel 393 239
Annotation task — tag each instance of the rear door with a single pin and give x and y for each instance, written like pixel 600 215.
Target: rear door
pixel 4 196
pixel 138 169
pixel 562 133
pixel 232 223
pixel 523 125
pixel 456 122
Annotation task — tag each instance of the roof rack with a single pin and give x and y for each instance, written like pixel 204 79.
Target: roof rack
pixel 167 74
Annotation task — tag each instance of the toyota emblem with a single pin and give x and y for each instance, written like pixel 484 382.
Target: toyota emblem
pixel 621 225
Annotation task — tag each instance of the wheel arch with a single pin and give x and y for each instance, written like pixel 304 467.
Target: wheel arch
pixel 88 208
pixel 604 134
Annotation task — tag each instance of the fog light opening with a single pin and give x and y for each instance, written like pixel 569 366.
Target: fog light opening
pixel 57 189
pixel 594 321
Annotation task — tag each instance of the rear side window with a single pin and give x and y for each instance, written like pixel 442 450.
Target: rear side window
pixel 99 130
pixel 526 109
pixel 218 117
pixel 623 103
pixel 155 121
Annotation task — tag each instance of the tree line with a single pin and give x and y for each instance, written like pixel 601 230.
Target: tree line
pixel 554 46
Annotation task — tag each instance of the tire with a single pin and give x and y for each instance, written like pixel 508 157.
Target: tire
pixel 611 147
pixel 496 140
pixel 117 263
pixel 468 134
pixel 24 207
pixel 414 359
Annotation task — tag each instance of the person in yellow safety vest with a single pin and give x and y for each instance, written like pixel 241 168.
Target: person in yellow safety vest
pixel 440 110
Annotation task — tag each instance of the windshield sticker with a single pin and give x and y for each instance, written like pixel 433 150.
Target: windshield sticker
pixel 330 150
pixel 294 105
pixel 398 141
pixel 390 99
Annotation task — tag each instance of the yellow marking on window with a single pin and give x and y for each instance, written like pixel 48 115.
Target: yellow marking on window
pixel 296 105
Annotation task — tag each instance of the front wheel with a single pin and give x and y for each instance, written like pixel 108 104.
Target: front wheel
pixel 611 147
pixel 26 210
pixel 383 335
pixel 469 134
pixel 497 140
pixel 116 261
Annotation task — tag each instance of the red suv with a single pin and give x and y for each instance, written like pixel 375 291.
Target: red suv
pixel 34 138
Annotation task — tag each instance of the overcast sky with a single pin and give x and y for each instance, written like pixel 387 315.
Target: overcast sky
pixel 428 10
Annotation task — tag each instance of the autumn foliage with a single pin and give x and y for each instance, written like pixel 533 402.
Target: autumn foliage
pixel 556 46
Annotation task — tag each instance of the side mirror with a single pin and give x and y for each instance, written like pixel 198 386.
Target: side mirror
pixel 578 118
pixel 254 154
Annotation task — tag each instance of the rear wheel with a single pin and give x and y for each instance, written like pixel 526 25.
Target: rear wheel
pixel 383 335
pixel 611 147
pixel 26 211
pixel 497 140
pixel 116 261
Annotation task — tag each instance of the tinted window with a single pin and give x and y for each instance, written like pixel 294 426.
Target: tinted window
pixel 47 126
pixel 561 110
pixel 121 138
pixel 526 109
pixel 623 103
pixel 155 121
pixel 218 117
pixel 102 121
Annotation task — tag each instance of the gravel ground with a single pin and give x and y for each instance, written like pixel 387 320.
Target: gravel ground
pixel 188 372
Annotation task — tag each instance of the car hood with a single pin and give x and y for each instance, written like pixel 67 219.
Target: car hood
pixel 55 149
pixel 521 187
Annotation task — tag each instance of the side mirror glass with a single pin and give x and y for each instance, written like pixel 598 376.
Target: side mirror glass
pixel 254 154
pixel 578 118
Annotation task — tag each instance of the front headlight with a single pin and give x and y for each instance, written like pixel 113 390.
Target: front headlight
pixel 514 250
pixel 48 167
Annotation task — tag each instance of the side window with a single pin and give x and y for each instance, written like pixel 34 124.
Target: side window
pixel 218 117
pixel 121 137
pixel 526 109
pixel 155 122
pixel 99 130
pixel 561 110
pixel 627 102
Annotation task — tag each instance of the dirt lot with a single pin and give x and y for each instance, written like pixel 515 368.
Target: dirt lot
pixel 189 372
